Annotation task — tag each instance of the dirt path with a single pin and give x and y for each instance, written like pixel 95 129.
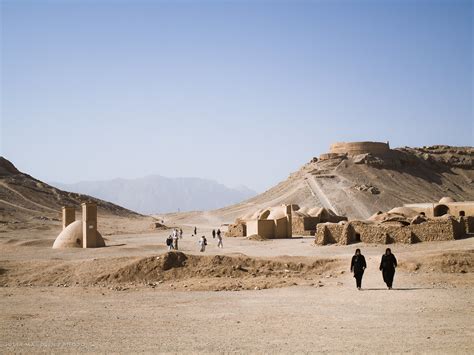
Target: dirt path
pixel 319 194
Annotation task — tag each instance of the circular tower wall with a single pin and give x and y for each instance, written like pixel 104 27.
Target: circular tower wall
pixel 354 148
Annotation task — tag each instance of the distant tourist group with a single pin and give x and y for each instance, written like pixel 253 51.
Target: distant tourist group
pixel 387 266
pixel 172 240
pixel 203 240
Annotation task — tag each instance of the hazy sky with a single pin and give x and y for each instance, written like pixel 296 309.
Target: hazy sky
pixel 243 92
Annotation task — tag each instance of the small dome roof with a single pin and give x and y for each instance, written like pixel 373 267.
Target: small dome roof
pixel 379 216
pixel 403 211
pixel 277 212
pixel 301 214
pixel 250 215
pixel 447 200
pixel 255 214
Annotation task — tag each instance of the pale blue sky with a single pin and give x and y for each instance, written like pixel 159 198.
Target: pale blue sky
pixel 243 92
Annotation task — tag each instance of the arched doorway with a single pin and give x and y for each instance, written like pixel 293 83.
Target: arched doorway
pixel 440 210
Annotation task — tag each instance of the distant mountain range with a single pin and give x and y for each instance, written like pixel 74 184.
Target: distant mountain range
pixel 158 194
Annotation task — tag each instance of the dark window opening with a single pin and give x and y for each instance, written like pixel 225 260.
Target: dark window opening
pixel 440 210
pixel 357 237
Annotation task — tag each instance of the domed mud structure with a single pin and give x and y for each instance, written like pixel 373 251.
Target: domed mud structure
pixel 80 234
pixel 72 237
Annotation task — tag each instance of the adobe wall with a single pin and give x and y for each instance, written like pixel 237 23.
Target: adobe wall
pixel 252 227
pixel 454 209
pixel 468 224
pixel 304 225
pixel 328 233
pixel 262 227
pixel 354 148
pixel 435 230
pixel 281 228
pixel 327 156
pixel 374 233
pixel 355 231
pixel 236 230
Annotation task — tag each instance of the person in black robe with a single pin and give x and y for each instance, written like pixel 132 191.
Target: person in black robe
pixel 358 265
pixel 387 266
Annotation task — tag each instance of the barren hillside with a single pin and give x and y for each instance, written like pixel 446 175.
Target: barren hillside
pixel 26 201
pixel 358 186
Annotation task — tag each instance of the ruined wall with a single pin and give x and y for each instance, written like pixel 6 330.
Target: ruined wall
pixel 468 224
pixel 360 231
pixel 354 148
pixel 236 230
pixel 328 233
pixel 327 156
pixel 304 225
pixel 372 233
pixel 441 229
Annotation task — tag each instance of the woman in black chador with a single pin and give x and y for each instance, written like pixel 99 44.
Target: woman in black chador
pixel 387 266
pixel 358 266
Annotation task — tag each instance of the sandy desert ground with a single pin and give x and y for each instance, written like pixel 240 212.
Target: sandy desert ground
pixel 251 296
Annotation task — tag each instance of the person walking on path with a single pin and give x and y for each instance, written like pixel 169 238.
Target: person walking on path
pixel 169 242
pixel 203 243
pixel 387 266
pixel 180 233
pixel 218 233
pixel 195 231
pixel 213 233
pixel 219 241
pixel 358 265
pixel 175 240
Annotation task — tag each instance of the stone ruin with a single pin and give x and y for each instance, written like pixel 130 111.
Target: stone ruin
pixel 284 221
pixel 403 225
pixel 79 234
pixel 358 150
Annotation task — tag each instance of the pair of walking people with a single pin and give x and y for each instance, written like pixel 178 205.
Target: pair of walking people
pixel 387 266
pixel 219 237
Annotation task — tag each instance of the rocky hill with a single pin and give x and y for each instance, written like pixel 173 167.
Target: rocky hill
pixel 25 199
pixel 359 184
